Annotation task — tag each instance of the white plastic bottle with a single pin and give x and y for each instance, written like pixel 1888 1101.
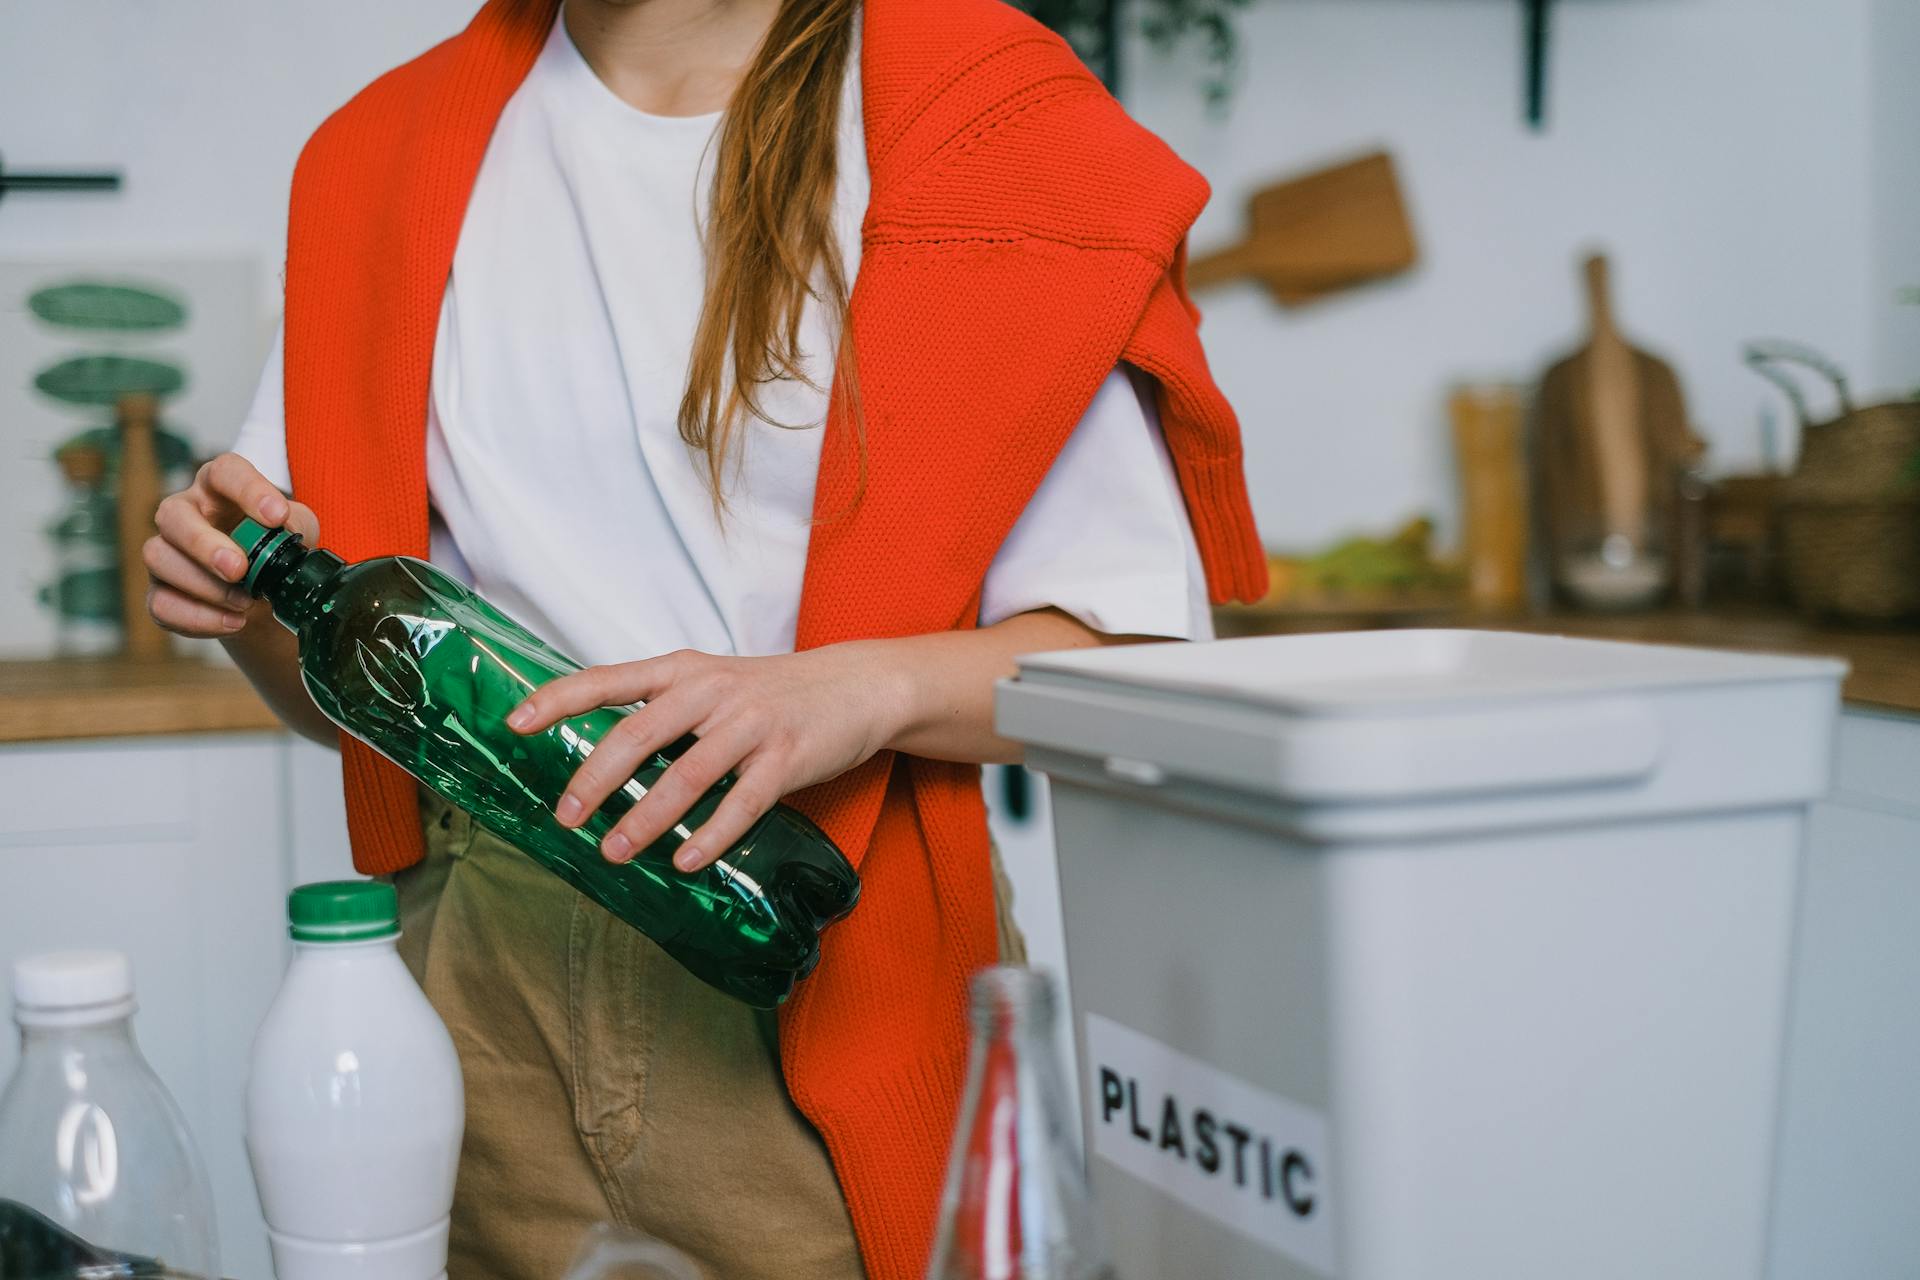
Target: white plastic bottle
pixel 91 1143
pixel 354 1102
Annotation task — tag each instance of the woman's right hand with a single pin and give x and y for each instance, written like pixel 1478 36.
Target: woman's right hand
pixel 193 566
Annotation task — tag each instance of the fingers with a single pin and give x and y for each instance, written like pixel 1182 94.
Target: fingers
pixel 675 792
pixel 684 693
pixel 760 786
pixel 195 520
pixel 183 522
pixel 189 617
pixel 170 567
pixel 617 755
pixel 233 479
pixel 583 691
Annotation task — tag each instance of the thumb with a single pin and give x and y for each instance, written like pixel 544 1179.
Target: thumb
pixel 301 520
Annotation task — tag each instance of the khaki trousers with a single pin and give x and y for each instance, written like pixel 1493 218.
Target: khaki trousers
pixel 606 1083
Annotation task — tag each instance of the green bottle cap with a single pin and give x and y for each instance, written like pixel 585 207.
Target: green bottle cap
pixel 257 544
pixel 343 911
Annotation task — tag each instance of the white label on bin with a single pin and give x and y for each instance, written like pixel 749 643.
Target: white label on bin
pixel 1249 1159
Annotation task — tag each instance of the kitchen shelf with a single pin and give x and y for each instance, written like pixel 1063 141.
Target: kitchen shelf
pixel 113 698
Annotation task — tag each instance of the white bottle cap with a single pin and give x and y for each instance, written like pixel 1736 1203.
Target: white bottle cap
pixel 72 988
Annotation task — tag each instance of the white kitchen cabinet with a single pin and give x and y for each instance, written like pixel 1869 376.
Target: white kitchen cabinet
pixel 178 851
pixel 316 814
pixel 1847 1198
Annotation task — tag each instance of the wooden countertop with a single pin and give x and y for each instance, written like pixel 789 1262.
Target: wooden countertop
pixel 1885 663
pixel 113 698
pixel 116 698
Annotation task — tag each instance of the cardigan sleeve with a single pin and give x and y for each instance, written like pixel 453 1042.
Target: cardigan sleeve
pixel 1106 536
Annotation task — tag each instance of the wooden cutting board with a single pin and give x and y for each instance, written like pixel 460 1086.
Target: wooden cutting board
pixel 1319 232
pixel 1610 428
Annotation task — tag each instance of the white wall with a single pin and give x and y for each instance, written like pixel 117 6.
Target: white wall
pixel 1730 153
pixel 204 106
pixel 1896 191
pixel 1718 148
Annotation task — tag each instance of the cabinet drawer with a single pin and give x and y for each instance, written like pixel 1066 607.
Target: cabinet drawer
pixel 60 793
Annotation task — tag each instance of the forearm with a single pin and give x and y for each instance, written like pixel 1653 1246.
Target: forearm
pixel 268 655
pixel 942 684
pixel 784 723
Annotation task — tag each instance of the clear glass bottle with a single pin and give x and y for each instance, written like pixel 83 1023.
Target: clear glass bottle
pixel 419 667
pixel 1016 1204
pixel 98 1176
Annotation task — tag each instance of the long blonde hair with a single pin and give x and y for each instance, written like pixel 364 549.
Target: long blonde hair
pixel 770 236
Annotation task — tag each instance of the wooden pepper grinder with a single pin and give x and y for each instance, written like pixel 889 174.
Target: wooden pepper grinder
pixel 138 497
pixel 1489 427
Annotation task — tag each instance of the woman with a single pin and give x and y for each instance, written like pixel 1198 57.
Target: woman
pixel 802 364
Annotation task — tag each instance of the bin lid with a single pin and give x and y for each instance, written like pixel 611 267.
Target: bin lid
pixel 1365 717
pixel 1373 671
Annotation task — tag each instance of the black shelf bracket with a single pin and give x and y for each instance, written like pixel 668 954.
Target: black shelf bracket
pixel 1536 69
pixel 98 180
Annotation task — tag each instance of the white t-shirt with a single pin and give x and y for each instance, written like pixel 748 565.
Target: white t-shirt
pixel 559 484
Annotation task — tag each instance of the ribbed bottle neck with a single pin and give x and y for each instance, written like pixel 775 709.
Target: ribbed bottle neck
pixel 1011 1003
pixel 110 1038
pixel 293 578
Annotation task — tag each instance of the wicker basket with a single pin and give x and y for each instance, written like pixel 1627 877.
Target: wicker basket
pixel 1850 512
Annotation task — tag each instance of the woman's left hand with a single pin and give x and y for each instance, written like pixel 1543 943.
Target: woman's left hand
pixel 780 723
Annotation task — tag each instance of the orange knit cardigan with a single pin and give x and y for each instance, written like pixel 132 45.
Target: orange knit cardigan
pixel 1023 236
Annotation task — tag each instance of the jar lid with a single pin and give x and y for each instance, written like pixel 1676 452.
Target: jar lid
pixel 343 911
pixel 72 988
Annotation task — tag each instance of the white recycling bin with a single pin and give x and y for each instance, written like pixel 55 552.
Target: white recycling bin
pixel 1428 955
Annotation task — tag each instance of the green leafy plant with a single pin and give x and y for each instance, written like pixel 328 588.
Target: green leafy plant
pixel 1169 22
pixel 1093 28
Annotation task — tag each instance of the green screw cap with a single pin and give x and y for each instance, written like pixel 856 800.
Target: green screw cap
pixel 257 544
pixel 343 911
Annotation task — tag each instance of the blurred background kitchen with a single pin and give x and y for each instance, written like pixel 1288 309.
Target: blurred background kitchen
pixel 1504 292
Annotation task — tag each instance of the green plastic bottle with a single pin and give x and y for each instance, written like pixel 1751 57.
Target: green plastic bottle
pixel 420 668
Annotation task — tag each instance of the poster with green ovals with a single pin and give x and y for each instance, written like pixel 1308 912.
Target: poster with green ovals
pixel 102 306
pixel 103 379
